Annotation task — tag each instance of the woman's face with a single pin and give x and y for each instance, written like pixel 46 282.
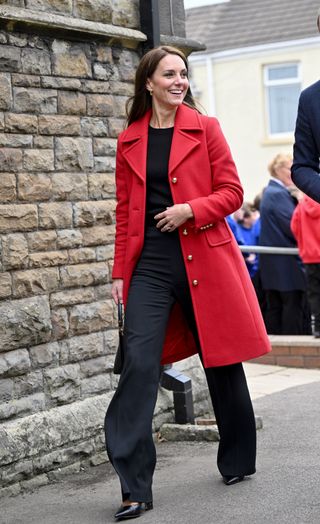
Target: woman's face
pixel 169 83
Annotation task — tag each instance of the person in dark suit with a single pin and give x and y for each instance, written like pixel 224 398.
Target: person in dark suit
pixel 283 276
pixel 306 151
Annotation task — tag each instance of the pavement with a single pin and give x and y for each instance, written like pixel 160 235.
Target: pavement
pixel 187 486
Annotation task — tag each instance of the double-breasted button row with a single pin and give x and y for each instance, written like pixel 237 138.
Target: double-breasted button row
pixel 206 227
pixel 194 281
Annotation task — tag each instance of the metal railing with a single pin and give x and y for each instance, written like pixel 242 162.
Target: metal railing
pixel 268 250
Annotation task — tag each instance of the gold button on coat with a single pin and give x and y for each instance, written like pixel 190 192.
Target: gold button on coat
pixel 189 257
pixel 174 180
pixel 194 282
pixel 184 232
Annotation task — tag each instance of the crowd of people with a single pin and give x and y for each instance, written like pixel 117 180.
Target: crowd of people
pixel 287 285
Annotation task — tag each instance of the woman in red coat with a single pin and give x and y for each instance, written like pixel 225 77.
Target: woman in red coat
pixel 180 274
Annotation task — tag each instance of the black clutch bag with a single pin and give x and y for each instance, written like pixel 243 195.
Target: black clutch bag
pixel 118 362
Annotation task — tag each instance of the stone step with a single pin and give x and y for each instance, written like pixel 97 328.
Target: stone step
pixel 194 432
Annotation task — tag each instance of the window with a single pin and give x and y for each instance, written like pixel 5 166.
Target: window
pixel 282 90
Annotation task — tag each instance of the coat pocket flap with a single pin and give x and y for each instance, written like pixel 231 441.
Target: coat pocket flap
pixel 218 234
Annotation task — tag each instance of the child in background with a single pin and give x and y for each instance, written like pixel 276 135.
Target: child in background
pixel 246 219
pixel 305 225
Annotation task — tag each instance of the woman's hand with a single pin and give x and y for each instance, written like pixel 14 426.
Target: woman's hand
pixel 173 217
pixel 117 290
pixel 251 258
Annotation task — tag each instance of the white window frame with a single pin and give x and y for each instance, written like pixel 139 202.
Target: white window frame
pixel 281 82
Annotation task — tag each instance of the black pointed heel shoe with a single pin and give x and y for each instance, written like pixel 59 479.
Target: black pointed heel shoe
pixel 133 510
pixel 229 480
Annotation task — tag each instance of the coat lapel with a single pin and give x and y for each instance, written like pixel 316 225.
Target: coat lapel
pixel 135 142
pixel 186 137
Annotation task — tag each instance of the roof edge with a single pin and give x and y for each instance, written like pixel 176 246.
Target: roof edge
pixel 239 52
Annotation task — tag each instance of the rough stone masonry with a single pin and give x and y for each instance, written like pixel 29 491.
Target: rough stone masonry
pixel 66 70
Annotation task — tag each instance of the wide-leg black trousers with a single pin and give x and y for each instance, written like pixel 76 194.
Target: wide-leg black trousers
pixel 158 281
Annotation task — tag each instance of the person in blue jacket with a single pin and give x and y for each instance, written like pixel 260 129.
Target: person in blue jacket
pixel 234 228
pixel 247 229
pixel 306 150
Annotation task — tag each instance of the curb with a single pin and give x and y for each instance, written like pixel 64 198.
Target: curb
pixel 194 432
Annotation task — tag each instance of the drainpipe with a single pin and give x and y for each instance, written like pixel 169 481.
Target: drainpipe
pixel 150 22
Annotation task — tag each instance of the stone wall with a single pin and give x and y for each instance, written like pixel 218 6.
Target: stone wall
pixel 123 13
pixel 62 105
pixel 62 108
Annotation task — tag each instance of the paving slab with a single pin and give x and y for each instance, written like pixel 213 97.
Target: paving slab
pixel 265 379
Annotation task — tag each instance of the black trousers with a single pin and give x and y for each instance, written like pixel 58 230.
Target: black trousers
pixel 313 278
pixel 260 292
pixel 287 312
pixel 158 281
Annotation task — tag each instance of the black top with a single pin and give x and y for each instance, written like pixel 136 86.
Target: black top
pixel 158 189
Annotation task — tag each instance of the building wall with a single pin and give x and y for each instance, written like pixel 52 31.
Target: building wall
pixel 239 103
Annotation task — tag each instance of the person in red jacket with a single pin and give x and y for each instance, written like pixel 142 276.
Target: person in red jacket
pixel 305 225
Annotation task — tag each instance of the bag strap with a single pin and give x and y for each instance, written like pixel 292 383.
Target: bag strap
pixel 120 318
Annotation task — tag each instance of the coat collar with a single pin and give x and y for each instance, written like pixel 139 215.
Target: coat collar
pixel 275 184
pixel 187 135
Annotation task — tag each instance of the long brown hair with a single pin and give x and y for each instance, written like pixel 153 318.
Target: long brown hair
pixel 141 101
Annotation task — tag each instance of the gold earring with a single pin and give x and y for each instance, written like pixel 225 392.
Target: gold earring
pixel 150 91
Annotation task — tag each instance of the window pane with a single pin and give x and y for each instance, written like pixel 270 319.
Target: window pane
pixel 279 73
pixel 283 104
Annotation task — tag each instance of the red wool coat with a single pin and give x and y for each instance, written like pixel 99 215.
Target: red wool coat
pixel 202 173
